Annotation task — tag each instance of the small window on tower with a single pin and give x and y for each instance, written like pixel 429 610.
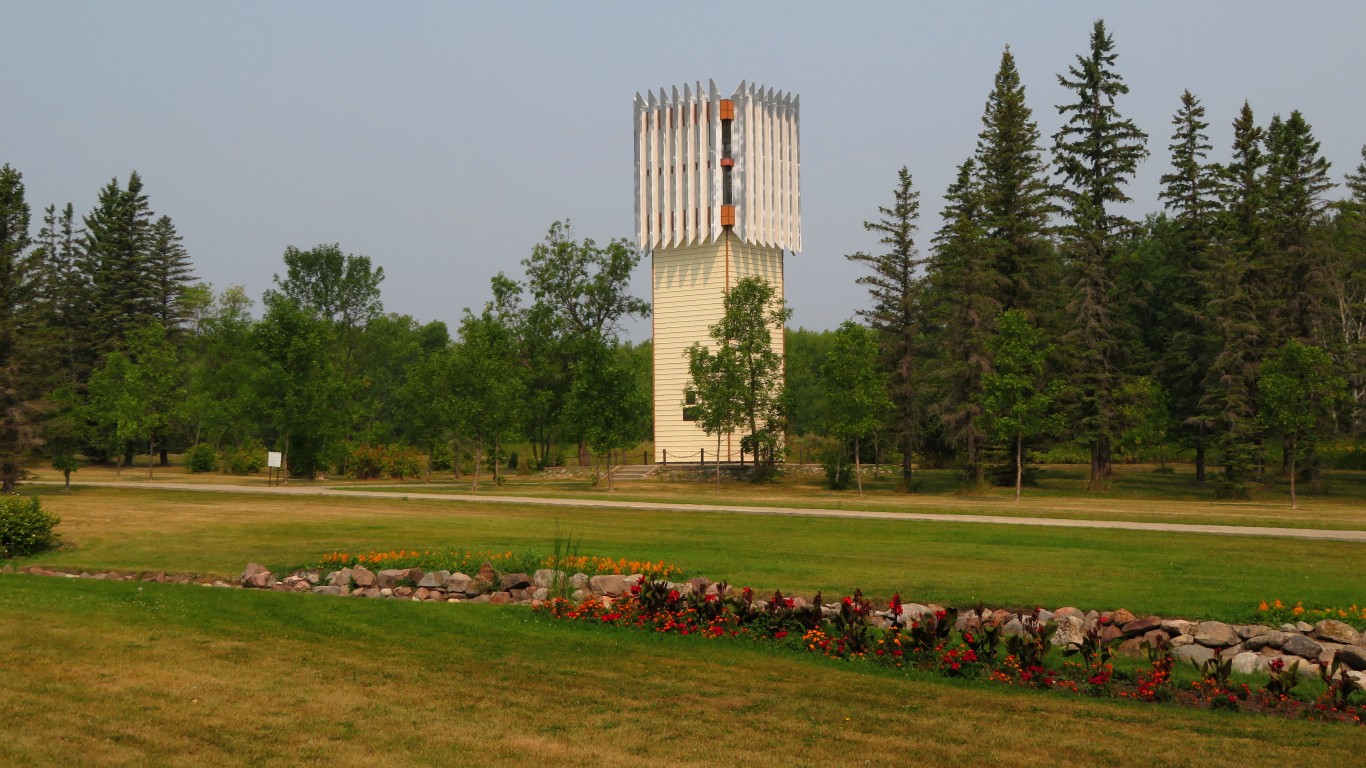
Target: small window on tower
pixel 689 405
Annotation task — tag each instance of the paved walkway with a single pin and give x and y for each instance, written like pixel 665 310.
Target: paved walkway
pixel 1048 522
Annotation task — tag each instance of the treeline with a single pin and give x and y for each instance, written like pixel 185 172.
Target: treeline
pixel 109 347
pixel 1232 318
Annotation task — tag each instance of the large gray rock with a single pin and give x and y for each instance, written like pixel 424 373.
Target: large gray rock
pixel 1249 631
pixel 514 581
pixel 434 579
pixel 1141 626
pixel 1121 616
pixel 340 578
pixel 1176 627
pixel 390 577
pixel 327 590
pixel 1215 634
pixel 579 581
pixel 458 582
pixel 1353 657
pixel 545 578
pixel 1273 639
pixel 1299 645
pixel 1195 653
pixel 1068 610
pixel 1337 632
pixel 362 577
pixel 1181 640
pixel 1247 663
pixel 1071 629
pixel 608 584
pixel 255 576
pixel 1013 627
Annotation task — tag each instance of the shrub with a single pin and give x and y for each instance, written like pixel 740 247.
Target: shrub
pixel 201 458
pixel 443 459
pixel 25 529
pixel 366 462
pixel 245 459
pixel 404 462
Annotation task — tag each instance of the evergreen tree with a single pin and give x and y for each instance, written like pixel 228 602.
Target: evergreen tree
pixel 896 291
pixel 964 292
pixel 170 272
pixel 1015 205
pixel 1234 287
pixel 1347 256
pixel 117 242
pixel 1296 182
pixel 1180 335
pixel 18 412
pixel 1096 152
pixel 66 295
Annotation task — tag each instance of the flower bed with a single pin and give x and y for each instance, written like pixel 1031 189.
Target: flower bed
pixel 1277 612
pixel 469 561
pixel 935 642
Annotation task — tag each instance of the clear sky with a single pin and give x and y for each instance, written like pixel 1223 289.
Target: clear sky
pixel 442 138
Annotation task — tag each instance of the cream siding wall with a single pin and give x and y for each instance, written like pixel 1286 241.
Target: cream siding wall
pixel 688 286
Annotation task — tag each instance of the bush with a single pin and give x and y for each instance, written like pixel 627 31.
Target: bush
pixel 245 459
pixel 404 462
pixel 366 462
pixel 25 529
pixel 201 458
pixel 443 459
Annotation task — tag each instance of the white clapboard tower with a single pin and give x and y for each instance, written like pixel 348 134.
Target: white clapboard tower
pixel 717 182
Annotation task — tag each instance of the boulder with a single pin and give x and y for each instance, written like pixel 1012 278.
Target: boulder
pixel 1215 634
pixel 1156 638
pixel 1272 640
pixel 1249 631
pixel 545 578
pixel 520 595
pixel 1068 611
pixel 1299 645
pixel 514 581
pixel 403 591
pixel 540 594
pixel 458 582
pixel 1337 632
pixel 371 592
pixel 1110 633
pixel 1353 657
pixel 1197 654
pixel 422 593
pixel 1013 627
pixel 1231 651
pixel 610 585
pixel 390 577
pixel 699 585
pixel 499 598
pixel 1359 678
pixel 1141 626
pixel 1121 617
pixel 486 574
pixel 1176 627
pixel 1303 626
pixel 434 579
pixel 636 578
pixel 1247 663
pixel 331 589
pixel 255 576
pixel 340 578
pixel 1310 670
pixel 1181 640
pixel 1133 648
pixel 579 581
pixel 1071 629
pixel 578 596
pixel 362 577
pixel 1044 617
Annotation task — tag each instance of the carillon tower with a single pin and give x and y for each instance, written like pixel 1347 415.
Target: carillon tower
pixel 717 200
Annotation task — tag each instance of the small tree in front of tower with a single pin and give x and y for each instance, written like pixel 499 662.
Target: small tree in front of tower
pixel 738 381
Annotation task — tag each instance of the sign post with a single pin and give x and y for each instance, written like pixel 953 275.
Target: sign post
pixel 274 464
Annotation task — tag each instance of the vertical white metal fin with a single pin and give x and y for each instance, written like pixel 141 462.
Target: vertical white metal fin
pixel 703 164
pixel 796 186
pixel 714 158
pixel 652 121
pixel 640 171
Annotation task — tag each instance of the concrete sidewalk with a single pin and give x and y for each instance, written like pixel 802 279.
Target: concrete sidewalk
pixel 1048 522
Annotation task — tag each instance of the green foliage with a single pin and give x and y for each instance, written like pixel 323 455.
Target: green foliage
pixel 201 458
pixel 25 529
pixel 246 458
pixel 1018 402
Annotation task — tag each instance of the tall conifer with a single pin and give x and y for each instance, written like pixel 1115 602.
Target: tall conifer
pixel 1095 152
pixel 117 241
pixel 17 411
pixel 1296 182
pixel 170 273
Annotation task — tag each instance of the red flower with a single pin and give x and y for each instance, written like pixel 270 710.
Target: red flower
pixel 780 634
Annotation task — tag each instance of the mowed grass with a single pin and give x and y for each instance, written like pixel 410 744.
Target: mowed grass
pixel 125 674
pixel 1191 575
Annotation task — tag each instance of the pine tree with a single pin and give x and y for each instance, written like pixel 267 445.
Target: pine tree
pixel 66 295
pixel 1178 299
pixel 896 290
pixel 1096 152
pixel 963 296
pixel 1296 182
pixel 1348 280
pixel 1014 194
pixel 117 242
pixel 170 271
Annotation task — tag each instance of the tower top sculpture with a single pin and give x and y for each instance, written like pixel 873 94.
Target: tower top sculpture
pixel 706 163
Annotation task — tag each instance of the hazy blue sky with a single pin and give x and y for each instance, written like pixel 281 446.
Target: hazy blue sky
pixel 441 139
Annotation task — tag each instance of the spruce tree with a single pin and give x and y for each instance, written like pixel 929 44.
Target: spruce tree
pixel 1178 297
pixel 1348 280
pixel 170 272
pixel 17 409
pixel 1015 194
pixel 963 296
pixel 66 295
pixel 117 242
pixel 896 291
pixel 1095 152
pixel 1296 182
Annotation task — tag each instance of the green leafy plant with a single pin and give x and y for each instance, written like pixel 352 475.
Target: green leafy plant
pixel 201 458
pixel 25 529
pixel 1283 678
pixel 1030 647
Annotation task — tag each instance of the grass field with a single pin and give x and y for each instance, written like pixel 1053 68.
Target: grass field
pixel 1189 575
pixel 123 674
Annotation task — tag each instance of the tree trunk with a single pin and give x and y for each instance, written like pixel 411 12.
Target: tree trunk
pixel 609 470
pixel 478 459
pixel 857 474
pixel 718 463
pixel 1019 465
pixel 164 458
pixel 65 473
pixel 1289 454
pixel 284 461
pixel 151 450
pixel 1200 463
pixel 496 445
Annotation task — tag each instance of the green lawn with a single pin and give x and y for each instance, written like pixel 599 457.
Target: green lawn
pixel 1190 575
pixel 149 675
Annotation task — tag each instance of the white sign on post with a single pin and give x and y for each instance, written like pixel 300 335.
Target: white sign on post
pixel 274 459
